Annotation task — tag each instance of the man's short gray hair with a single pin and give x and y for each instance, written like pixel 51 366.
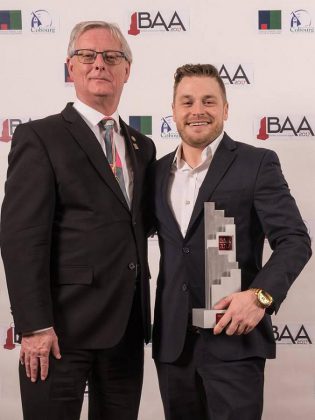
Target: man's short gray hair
pixel 82 27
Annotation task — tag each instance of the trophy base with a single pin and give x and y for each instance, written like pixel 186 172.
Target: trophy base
pixel 206 318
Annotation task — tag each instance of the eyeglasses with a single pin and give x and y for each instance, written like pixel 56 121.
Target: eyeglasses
pixel 89 56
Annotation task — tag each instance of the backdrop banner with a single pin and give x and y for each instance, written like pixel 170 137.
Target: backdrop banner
pixel 264 50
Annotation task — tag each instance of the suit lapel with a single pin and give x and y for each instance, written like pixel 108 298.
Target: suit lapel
pixel 133 149
pixel 163 194
pixel 87 141
pixel 222 160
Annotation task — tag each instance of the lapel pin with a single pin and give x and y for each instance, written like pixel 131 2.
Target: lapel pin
pixel 134 143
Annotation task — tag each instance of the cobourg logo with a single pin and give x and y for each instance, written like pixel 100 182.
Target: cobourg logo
pixel 157 21
pixel 168 128
pixel 284 334
pixel 41 21
pixel 284 126
pixel 301 21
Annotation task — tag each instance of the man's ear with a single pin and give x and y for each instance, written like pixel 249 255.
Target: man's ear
pixel 69 65
pixel 226 111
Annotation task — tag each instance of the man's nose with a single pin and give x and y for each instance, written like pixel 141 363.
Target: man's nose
pixel 99 62
pixel 198 108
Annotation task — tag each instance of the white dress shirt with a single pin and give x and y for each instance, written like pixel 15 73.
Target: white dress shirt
pixel 185 182
pixel 92 119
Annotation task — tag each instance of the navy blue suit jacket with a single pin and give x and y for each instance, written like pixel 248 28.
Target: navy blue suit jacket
pixel 247 183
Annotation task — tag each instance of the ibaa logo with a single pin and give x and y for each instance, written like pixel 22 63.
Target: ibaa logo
pixel 151 21
pixel 284 126
pixel 293 334
pixel 9 338
pixel 8 126
pixel 236 74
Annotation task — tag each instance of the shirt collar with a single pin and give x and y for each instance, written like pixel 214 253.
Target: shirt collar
pixel 208 151
pixel 92 116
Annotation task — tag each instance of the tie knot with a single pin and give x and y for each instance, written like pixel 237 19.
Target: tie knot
pixel 109 124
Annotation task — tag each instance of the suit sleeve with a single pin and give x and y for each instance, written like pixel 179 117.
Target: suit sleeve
pixel 284 228
pixel 26 225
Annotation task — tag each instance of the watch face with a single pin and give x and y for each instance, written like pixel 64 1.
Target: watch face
pixel 264 299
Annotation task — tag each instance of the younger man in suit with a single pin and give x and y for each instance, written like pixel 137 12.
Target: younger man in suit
pixel 74 242
pixel 218 374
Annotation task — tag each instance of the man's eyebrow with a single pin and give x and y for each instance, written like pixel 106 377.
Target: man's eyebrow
pixel 204 97
pixel 209 97
pixel 185 96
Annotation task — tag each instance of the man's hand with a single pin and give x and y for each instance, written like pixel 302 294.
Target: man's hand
pixel 35 350
pixel 242 315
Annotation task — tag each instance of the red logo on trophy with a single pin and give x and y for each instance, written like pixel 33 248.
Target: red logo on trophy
pixel 225 243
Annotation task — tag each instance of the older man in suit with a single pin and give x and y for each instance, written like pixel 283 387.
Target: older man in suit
pixel 74 242
pixel 218 374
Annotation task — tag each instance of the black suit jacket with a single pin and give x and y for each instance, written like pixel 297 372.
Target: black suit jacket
pixel 71 247
pixel 247 183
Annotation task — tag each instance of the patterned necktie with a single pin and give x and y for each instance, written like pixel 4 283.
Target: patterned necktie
pixel 112 155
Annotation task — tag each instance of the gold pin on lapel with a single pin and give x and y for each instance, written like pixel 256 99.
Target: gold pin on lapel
pixel 134 143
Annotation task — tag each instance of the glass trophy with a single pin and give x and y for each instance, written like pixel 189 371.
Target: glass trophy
pixel 222 275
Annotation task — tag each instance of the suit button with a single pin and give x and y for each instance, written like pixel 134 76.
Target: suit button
pixel 184 287
pixel 131 266
pixel 186 250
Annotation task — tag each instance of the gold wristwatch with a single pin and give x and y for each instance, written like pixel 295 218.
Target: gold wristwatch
pixel 264 299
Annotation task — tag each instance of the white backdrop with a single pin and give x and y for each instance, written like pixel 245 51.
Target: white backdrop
pixel 270 80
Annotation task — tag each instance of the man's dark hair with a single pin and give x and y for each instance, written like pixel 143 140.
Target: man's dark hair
pixel 198 70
